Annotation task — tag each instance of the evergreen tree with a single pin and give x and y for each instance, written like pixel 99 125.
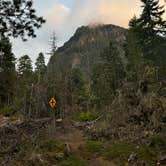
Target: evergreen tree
pixel 150 25
pixel 25 66
pixel 25 74
pixel 150 31
pixel 40 66
pixel 7 71
pixel 101 85
pixel 151 19
pixel 77 87
pixel 53 48
pixel 113 65
pixel 25 83
pixel 53 44
pixel 107 76
pixel 18 18
pixel 39 99
pixel 133 50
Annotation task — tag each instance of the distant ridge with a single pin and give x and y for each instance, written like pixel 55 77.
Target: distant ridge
pixel 84 48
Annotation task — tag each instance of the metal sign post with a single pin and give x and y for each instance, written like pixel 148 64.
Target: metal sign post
pixel 52 104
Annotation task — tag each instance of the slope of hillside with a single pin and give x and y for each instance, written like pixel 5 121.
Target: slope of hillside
pixel 85 46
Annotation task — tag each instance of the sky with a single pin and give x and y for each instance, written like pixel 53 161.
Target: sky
pixel 64 16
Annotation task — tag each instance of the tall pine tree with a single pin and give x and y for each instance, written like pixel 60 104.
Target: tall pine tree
pixel 150 31
pixel 133 50
pixel 25 66
pixel 151 19
pixel 7 71
pixel 25 84
pixel 40 69
pixel 150 25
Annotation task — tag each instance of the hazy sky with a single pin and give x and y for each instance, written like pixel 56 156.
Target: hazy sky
pixel 65 16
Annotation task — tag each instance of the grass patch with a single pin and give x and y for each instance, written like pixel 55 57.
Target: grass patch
pixel 52 150
pixel 73 161
pixel 6 111
pixel 95 147
pixel 147 154
pixel 55 152
pixel 51 146
pixel 120 152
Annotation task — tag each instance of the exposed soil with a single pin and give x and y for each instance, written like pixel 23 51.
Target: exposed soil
pixel 75 138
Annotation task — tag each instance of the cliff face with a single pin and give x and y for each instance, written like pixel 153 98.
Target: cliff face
pixel 85 46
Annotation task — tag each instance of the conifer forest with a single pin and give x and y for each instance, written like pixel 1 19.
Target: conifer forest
pixel 100 98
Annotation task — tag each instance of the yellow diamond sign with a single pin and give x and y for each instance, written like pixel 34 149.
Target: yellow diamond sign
pixel 52 103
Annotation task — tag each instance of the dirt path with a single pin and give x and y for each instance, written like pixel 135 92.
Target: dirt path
pixel 76 139
pixel 70 135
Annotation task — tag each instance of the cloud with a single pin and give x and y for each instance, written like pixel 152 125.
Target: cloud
pixel 116 13
pixel 55 18
pixel 64 21
pixel 86 12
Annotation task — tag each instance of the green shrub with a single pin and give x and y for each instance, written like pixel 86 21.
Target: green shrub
pixel 95 147
pixel 157 142
pixel 6 111
pixel 86 116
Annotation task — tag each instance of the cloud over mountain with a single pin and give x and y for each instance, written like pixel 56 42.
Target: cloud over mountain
pixel 65 20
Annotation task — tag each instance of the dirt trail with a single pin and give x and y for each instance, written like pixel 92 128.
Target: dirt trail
pixel 77 140
pixel 68 134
